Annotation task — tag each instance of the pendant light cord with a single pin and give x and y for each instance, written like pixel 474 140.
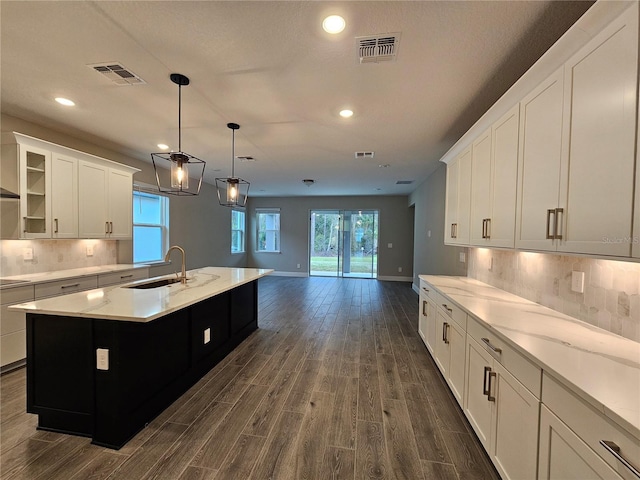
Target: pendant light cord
pixel 233 152
pixel 179 118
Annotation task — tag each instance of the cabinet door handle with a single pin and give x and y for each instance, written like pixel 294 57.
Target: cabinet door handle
pixel 456 230
pixel 550 212
pixel 110 227
pixel 70 286
pixel 424 306
pixel 556 223
pixel 490 397
pixel 484 224
pixel 106 228
pixel 445 332
pixel 487 342
pixel 485 387
pixel 55 221
pixel 615 450
pixel 488 228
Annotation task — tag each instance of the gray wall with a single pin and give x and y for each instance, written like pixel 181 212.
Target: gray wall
pixel 198 224
pixel 396 227
pixel 431 255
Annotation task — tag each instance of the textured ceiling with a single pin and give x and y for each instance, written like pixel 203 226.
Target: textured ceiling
pixel 271 68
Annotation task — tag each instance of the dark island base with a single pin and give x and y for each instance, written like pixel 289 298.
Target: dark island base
pixel 150 364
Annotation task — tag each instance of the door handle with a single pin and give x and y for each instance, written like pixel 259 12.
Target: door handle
pixel 490 397
pixel 55 221
pixel 557 223
pixel 485 388
pixel 551 211
pixel 445 331
pixel 484 228
pixel 488 228
pixel 106 228
pixel 424 306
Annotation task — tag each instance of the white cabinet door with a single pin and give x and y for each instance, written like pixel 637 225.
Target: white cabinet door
pixel 120 204
pixel 458 206
pixel 480 189
pixel 35 198
pixel 563 455
pixel 477 405
pixel 514 436
pixel 500 229
pixel 539 164
pixel 93 184
pixel 427 322
pixel 442 350
pixel 64 197
pixel 600 128
pixel 456 337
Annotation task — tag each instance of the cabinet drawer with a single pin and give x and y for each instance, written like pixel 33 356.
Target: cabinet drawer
pixel 125 276
pixel 427 289
pixel 11 296
pixel 453 311
pixel 64 287
pixel 590 425
pixel 526 372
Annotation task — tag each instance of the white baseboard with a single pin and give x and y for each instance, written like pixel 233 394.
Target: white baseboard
pixel 395 279
pixel 279 273
pixel 415 288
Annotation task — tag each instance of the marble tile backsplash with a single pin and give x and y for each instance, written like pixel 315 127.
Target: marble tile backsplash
pixel 611 298
pixel 51 255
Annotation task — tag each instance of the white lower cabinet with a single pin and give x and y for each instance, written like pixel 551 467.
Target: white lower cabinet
pixel 502 412
pixel 427 318
pixel 13 337
pixel 450 352
pixel 563 455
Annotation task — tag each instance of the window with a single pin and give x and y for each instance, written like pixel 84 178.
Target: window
pixel 150 227
pixel 268 230
pixel 237 231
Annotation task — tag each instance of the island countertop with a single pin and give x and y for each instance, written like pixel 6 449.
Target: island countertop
pixel 600 367
pixel 144 305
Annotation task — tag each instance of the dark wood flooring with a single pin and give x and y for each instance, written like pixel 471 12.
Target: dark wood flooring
pixel 336 383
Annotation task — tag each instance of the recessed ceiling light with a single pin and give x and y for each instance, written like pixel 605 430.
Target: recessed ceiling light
pixel 162 146
pixel 65 101
pixel 346 113
pixel 384 165
pixel 333 24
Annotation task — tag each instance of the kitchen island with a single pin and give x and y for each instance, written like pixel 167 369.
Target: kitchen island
pixel 104 362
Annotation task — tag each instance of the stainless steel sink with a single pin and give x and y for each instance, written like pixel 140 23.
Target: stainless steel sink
pixel 156 283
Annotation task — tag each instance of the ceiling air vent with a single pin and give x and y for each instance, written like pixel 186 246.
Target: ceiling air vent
pixel 378 48
pixel 404 182
pixel 365 154
pixel 118 74
pixel 246 158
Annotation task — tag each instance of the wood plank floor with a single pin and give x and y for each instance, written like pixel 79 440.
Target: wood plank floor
pixel 335 384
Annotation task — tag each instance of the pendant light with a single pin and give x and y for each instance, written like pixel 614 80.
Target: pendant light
pixel 181 164
pixel 232 191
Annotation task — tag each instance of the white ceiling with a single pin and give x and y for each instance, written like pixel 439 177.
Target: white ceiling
pixel 271 68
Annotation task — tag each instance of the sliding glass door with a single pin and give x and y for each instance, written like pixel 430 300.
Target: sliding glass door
pixel 344 243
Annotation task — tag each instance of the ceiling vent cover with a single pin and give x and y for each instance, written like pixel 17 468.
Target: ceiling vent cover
pixel 378 48
pixel 118 74
pixel 365 154
pixel 404 182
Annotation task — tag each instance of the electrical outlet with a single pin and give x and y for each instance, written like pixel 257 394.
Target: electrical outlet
pixel 491 264
pixel 463 257
pixel 298 265
pixel 207 335
pixel 399 269
pixel 27 253
pixel 102 359
pixel 389 245
pixel 429 233
pixel 89 250
pixel 577 282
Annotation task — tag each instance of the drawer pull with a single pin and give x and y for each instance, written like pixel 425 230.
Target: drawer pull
pixel 487 342
pixel 425 289
pixel 485 388
pixel 615 450
pixel 450 310
pixel 70 286
pixel 126 276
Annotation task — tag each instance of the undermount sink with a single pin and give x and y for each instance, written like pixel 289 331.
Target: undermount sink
pixel 156 283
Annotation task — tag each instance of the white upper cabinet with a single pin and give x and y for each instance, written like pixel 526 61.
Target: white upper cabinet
pixel 64 196
pixel 596 189
pixel 105 201
pixel 493 183
pixel 458 207
pixel 35 196
pixel 539 164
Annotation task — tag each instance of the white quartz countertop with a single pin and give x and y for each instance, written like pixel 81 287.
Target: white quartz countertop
pixel 73 273
pixel 143 305
pixel 599 366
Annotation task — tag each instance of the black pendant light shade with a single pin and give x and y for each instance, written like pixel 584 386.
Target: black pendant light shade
pixel 232 191
pixel 174 169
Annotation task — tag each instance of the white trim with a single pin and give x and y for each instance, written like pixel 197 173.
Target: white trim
pixel 395 279
pixel 415 288
pixel 280 273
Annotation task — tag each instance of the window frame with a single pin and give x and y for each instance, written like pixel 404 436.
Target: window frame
pixel 163 225
pixel 268 211
pixel 243 231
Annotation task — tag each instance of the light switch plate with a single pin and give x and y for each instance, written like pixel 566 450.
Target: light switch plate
pixel 102 358
pixel 27 253
pixel 207 335
pixel 389 245
pixel 89 250
pixel 577 282
pixel 463 257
